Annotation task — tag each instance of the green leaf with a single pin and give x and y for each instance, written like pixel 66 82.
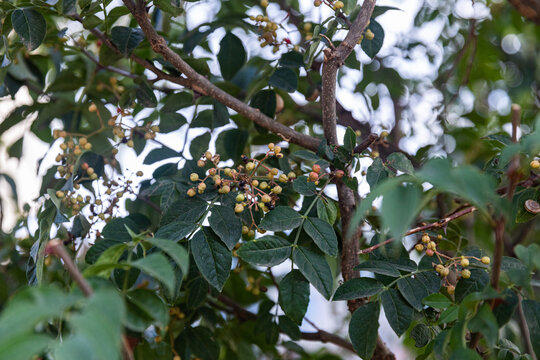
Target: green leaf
pixel 327 211
pixel 417 288
pixel 230 144
pixel 421 335
pixel 145 95
pixel 484 322
pixel 529 255
pixel 201 342
pixel 185 210
pixel 364 328
pixel 304 187
pixel 376 173
pixel 265 100
pixel 378 267
pixel 173 7
pixel 177 252
pixel 358 288
pixel 126 39
pixel 372 47
pixel 399 161
pixel 220 115
pixel 199 145
pixel 322 234
pixel 144 304
pixel 287 326
pixel 398 312
pixel 349 140
pixel 231 56
pixel 175 231
pixel 212 257
pixel 280 219
pixel 449 315
pixel 226 225
pixel 69 7
pixel 476 283
pixel 516 271
pixel 266 251
pixel 292 59
pixel 465 354
pixel 170 121
pixel 315 268
pixel 294 295
pixel 284 78
pixel 30 25
pixel 394 201
pixel 157 266
pixel 159 154
pixel 437 301
pixel 531 309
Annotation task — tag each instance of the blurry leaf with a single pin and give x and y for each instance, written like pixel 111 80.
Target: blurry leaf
pixel 126 39
pixel 372 47
pixel 287 326
pixel 173 7
pixel 421 335
pixel 284 78
pixel 400 162
pixel 30 25
pixel 531 309
pixel 177 252
pixel 364 338
pixel 266 251
pixel 158 267
pixel 437 301
pixel 315 268
pixel 358 288
pixel 484 322
pixel 327 211
pixel 147 305
pixel 376 173
pixel 212 257
pixel 294 295
pixel 231 56
pixel 265 100
pixel 292 59
pixel 394 201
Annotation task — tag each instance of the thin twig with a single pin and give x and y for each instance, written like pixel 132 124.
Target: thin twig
pixel 525 334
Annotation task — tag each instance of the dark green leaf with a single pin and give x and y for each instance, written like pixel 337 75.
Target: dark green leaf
pixel 399 161
pixel 394 201
pixel 126 39
pixel 284 78
pixel 465 354
pixel 322 234
pixel 146 304
pixel 358 288
pixel 421 335
pixel 376 173
pixel 185 210
pixel 437 301
pixel 231 56
pixel 372 47
pixel 417 288
pixel 449 315
pixel 292 59
pixel 201 342
pixel 280 219
pixel 265 100
pixel 288 327
pixel 531 309
pixel 212 257
pixel 349 141
pixel 304 187
pixel 363 329
pixel 230 144
pixel 199 145
pixel 159 154
pixel 477 282
pixel 294 295
pixel 145 95
pixel 30 26
pixel 484 322
pixel 175 231
pixel 69 7
pixel 177 252
pixel 220 115
pixel 315 268
pixel 398 312
pixel 266 251
pixel 226 225
pixel 379 267
pixel 326 210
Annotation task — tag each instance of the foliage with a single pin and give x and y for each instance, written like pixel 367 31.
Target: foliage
pixel 216 253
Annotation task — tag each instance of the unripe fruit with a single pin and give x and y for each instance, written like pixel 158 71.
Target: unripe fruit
pixel 307 26
pixel 92 107
pixel 317 3
pixel 250 166
pixel 374 154
pixel 277 190
pixel 83 141
pixel 535 164
pixel 245 230
pixel 264 185
pixel 201 163
pixel 87 146
pixel 339 5
pixel 465 273
pixel 313 176
pixel 316 168
pixel 208 155
pixel 201 187
pixel 291 175
pixel 266 198
pixel 277 149
pixel 194 177
pixel 464 262
pixel 425 238
pixel 255 183
pixel 419 247
pixel 227 171
pixel 432 245
pixel 274 171
pixel 369 34
pixel 280 104
pixel 238 208
pixel 119 194
pixel 154 128
pixel 77 150
pixel 279 156
pixel 93 176
pixel 240 197
pixel 264 3
pixel 63 146
pixel 212 171
pixel 485 260
pixel 429 252
pixel 445 272
pixel 340 174
pixel 225 189
pixel 283 178
pixel 130 143
pixel 251 233
pixel 90 171
pixel 60 194
pixel 271 146
pixel 451 289
pixel 384 134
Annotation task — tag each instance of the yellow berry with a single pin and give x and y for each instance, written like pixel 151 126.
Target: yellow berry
pixel 255 183
pixel 63 146
pixel 465 273
pixel 277 190
pixel 194 177
pixel 277 149
pixel 245 230
pixel 139 173
pixel 212 171
pixel 92 107
pixel 307 27
pixel 535 164
pixel 238 208
pixel 485 260
pixel 60 194
pixel 339 5
pixel 266 198
pixel 283 178
pixel 439 268
pixel 264 185
pixel 432 245
pixel 464 262
pixel 251 233
pixel 130 143
pixel 271 146
pixel 83 141
pixel 90 171
pixel 240 197
pixel 317 3
pixel 93 176
pixel 201 187
pixel 451 289
pixel 291 175
pixel 77 150
pixel 384 134
pixel 201 163
pixel 208 155
pixel 445 272
pixel 264 3
pixel 225 189
pixel 87 146
pixel 154 128
pixel 419 247
pixel 369 34
pixel 250 166
pixel 425 238
pixel 191 192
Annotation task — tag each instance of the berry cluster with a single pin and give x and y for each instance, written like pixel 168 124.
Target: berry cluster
pixel 444 267
pixel 335 5
pixel 268 31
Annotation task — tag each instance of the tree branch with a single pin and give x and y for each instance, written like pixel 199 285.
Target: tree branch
pixel 206 87
pixel 320 335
